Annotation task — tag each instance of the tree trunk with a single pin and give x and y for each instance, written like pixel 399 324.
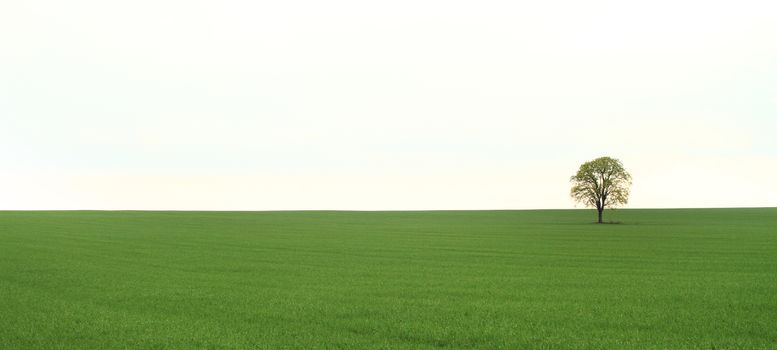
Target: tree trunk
pixel 600 214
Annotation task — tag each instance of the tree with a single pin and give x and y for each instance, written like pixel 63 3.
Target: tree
pixel 601 183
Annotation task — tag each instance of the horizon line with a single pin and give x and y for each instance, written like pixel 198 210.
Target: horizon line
pixel 368 210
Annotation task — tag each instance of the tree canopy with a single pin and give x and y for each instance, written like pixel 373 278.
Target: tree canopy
pixel 601 183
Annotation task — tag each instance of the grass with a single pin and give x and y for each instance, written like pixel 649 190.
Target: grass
pixel 662 279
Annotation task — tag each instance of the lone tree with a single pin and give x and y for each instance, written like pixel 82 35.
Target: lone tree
pixel 601 183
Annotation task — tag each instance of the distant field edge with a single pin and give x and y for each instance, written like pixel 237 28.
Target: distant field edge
pixel 373 210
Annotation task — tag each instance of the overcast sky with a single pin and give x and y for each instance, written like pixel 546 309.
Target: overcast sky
pixel 383 105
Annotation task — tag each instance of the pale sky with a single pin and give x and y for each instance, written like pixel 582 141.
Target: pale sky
pixel 278 105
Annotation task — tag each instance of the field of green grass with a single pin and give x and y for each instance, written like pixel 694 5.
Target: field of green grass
pixel 551 279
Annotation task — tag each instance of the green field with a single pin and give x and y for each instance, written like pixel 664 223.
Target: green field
pixel 662 279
